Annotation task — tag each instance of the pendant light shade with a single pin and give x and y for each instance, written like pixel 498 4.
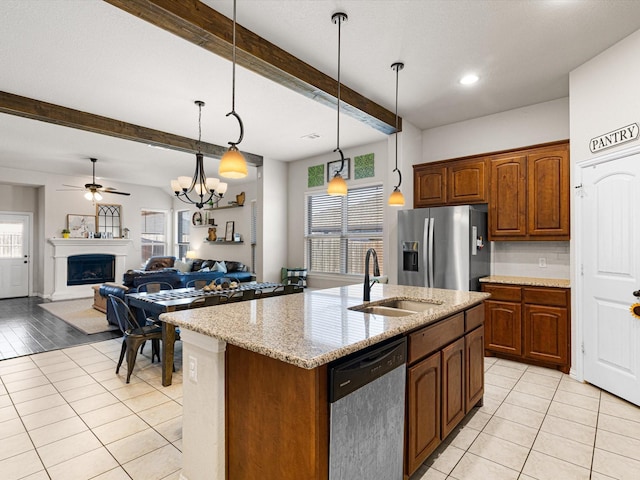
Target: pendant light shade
pixel 337 185
pixel 233 163
pixel 396 199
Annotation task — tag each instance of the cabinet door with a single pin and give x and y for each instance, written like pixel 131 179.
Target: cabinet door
pixel 503 324
pixel 466 182
pixel 423 411
pixel 548 193
pixel 546 334
pixel 474 372
pixel 429 186
pixel 507 201
pixel 452 386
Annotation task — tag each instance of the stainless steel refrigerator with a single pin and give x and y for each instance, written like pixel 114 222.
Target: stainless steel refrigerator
pixel 443 247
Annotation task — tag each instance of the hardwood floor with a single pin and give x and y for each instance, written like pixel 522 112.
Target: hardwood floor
pixel 25 328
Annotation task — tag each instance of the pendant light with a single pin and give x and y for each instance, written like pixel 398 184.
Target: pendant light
pixel 396 199
pixel 232 163
pixel 337 185
pixel 202 188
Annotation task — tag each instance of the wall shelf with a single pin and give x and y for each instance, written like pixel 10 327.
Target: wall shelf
pixel 223 207
pixel 224 242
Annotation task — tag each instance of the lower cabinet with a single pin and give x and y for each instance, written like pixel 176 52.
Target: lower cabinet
pixel 530 324
pixel 445 380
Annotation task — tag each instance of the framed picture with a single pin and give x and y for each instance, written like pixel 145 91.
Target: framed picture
pixel 334 167
pixel 228 233
pixel 80 225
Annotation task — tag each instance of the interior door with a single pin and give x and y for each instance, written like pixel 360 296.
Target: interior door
pixel 14 255
pixel 610 261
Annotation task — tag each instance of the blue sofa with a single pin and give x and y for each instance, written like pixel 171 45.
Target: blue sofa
pixel 166 269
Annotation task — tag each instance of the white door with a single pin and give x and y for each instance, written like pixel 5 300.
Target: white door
pixel 610 261
pixel 14 255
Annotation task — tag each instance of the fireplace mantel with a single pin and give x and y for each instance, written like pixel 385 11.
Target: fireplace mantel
pixel 64 247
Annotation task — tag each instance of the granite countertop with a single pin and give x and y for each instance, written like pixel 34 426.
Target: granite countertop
pixel 529 281
pixel 312 328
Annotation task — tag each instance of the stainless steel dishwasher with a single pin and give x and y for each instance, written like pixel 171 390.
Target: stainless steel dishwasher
pixel 367 398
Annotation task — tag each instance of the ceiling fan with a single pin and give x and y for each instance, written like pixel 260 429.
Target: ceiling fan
pixel 93 189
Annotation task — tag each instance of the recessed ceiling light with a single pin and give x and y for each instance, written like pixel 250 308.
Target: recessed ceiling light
pixel 469 79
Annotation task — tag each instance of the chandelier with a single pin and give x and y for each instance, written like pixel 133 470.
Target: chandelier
pixel 396 199
pixel 198 190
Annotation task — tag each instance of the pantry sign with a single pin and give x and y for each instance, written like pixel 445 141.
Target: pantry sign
pixel 615 138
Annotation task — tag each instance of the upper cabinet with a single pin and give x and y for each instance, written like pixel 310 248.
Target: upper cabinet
pixel 527 190
pixel 457 182
pixel 529 198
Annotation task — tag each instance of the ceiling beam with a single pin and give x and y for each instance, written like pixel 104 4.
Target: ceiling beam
pixel 199 24
pixel 68 117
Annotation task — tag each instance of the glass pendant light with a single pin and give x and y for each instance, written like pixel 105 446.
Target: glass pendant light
pixel 233 163
pixel 396 199
pixel 337 185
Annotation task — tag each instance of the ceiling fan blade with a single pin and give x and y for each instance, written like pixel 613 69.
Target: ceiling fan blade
pixel 117 193
pixel 72 186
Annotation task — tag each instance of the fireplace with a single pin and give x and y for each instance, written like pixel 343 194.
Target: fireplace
pixel 68 285
pixel 89 269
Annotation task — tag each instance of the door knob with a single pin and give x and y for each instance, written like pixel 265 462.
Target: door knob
pixel 636 293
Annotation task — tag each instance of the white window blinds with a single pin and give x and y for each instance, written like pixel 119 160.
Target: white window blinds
pixel 341 229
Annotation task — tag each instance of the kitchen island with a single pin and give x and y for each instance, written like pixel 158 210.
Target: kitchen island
pixel 256 373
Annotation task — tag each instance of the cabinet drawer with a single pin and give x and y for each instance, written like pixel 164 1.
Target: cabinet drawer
pixel 434 337
pixel 474 317
pixel 502 292
pixel 555 297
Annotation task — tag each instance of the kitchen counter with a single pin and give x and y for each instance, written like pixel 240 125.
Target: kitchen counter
pixel 313 328
pixel 528 281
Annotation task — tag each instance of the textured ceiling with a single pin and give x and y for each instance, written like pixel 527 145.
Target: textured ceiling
pixel 91 56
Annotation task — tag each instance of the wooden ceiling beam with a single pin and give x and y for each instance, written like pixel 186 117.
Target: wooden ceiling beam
pixel 201 25
pixel 68 117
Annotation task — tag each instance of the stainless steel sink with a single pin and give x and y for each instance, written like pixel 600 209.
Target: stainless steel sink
pixel 396 307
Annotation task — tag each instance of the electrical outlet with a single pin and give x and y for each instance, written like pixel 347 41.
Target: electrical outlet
pixel 542 262
pixel 193 369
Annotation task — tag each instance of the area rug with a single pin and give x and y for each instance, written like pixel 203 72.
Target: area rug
pixel 80 314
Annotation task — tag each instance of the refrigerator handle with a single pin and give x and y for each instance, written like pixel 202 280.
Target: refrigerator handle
pixel 425 251
pixel 432 224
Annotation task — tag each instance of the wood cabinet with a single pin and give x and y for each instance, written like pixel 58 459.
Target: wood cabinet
pixel 423 410
pixel 529 194
pixel 458 182
pixel 530 324
pixel 445 380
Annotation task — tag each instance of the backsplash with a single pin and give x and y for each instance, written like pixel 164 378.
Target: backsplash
pixel 523 259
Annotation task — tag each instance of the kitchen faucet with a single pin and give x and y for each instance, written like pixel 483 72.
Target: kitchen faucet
pixel 376 273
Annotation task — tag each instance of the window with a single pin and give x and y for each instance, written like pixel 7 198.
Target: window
pixel 11 238
pixel 153 236
pixel 183 228
pixel 340 230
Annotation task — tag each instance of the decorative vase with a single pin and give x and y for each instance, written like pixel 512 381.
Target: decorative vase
pixel 65 235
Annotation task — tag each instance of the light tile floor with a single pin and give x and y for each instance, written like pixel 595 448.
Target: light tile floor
pixel 66 415
pixel 538 423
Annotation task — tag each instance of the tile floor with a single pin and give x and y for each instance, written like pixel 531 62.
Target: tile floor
pixel 65 415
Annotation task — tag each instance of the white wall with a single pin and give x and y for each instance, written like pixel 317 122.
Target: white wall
pixel 532 125
pixel 241 216
pixel 540 123
pixel 53 206
pixel 272 220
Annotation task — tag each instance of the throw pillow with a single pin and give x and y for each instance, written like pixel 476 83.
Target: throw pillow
pixel 205 269
pixel 220 267
pixel 184 267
